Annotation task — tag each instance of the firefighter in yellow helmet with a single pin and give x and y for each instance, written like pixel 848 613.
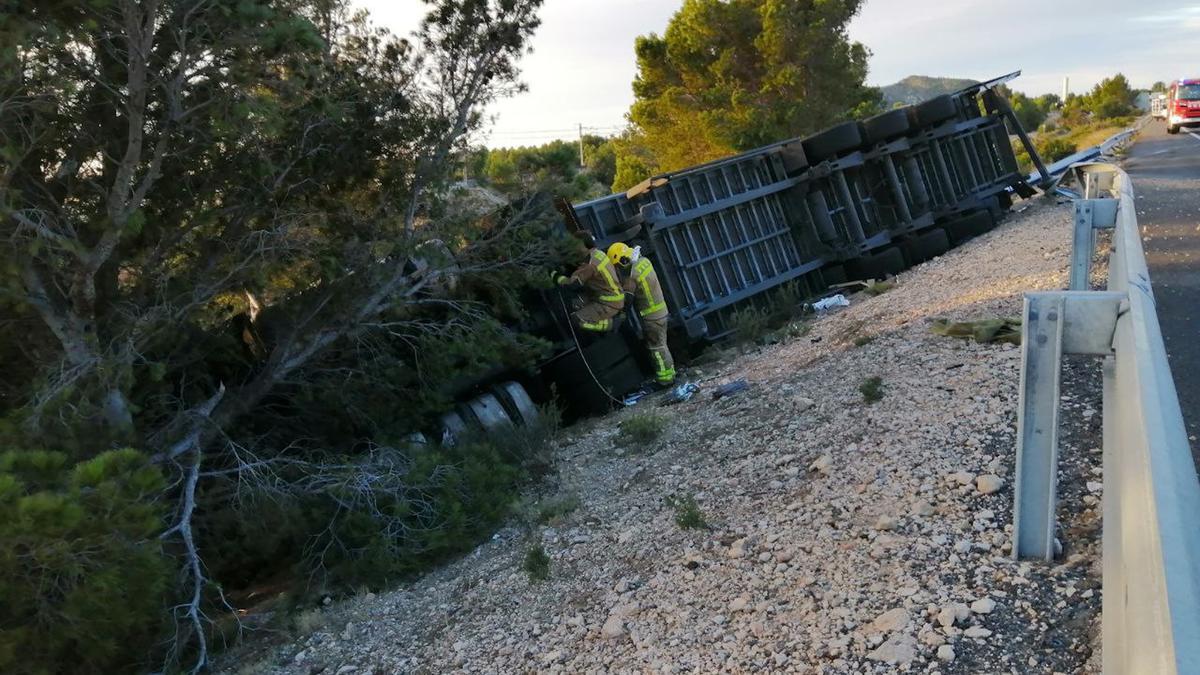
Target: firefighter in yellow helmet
pixel 641 280
pixel 603 298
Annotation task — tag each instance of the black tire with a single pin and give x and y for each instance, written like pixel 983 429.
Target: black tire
pixel 891 260
pixel 833 274
pixel 934 110
pixel 969 227
pixel 794 159
pixel 1172 129
pixel 926 246
pixel 517 403
pixel 886 126
pixel 832 142
pixel 878 265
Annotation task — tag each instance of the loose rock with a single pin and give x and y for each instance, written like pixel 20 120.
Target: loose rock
pixel 613 628
pixel 891 620
pixel 945 653
pixel 822 465
pixel 989 483
pixel 898 650
pixel 983 606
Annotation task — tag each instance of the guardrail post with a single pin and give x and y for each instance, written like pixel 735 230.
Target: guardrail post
pixel 1034 496
pixel 1055 323
pixel 1083 245
pixel 1090 215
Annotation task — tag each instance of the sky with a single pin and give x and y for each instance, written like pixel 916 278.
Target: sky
pixel 583 63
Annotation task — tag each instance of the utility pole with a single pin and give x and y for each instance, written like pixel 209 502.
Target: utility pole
pixel 1066 87
pixel 581 166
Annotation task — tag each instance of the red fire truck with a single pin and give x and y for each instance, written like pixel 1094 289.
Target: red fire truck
pixel 1183 104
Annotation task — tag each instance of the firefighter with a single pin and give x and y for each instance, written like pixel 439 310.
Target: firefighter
pixel 603 298
pixel 641 280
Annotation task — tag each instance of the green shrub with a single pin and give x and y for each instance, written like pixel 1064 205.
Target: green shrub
pixel 1053 148
pixel 786 302
pixel 453 498
pixel 688 515
pixel 772 319
pixel 749 324
pixel 863 340
pixel 373 522
pixel 871 389
pixel 536 563
pixel 1049 147
pixel 83 577
pixel 641 429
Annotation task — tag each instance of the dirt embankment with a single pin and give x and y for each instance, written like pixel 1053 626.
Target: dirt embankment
pixel 845 536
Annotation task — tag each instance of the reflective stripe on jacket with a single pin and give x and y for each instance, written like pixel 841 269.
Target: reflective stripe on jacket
pixel 598 276
pixel 647 292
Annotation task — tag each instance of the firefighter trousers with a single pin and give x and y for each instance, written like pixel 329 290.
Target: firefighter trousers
pixel 594 316
pixel 655 333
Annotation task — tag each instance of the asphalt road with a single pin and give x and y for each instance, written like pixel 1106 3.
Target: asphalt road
pixel 1166 181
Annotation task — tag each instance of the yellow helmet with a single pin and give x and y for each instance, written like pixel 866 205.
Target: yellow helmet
pixel 620 253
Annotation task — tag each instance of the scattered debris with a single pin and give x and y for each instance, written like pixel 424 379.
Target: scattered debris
pixel 681 393
pixel 832 301
pixel 983 331
pixel 871 287
pixel 730 389
pixel 633 398
pixel 874 287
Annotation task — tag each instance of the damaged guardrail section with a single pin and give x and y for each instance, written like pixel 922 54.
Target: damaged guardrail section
pixel 1151 539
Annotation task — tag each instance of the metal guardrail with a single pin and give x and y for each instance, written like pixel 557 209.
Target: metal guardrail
pixel 1151 507
pixel 1112 143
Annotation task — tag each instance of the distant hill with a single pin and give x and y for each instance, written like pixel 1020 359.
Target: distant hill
pixel 917 88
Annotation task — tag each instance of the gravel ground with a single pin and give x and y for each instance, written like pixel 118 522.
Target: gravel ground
pixel 844 537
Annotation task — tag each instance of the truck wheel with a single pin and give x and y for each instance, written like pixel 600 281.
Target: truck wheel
pixel 886 126
pixel 934 110
pixel 889 261
pixel 926 246
pixel 794 159
pixel 488 412
pixel 1173 129
pixel 970 226
pixel 833 274
pixel 833 141
pixel 517 403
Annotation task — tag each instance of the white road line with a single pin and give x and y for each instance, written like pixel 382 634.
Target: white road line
pixel 1194 135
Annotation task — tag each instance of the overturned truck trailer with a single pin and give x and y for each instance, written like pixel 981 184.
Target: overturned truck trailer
pixel 859 200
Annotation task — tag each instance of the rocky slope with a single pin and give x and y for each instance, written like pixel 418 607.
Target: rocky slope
pixel 843 536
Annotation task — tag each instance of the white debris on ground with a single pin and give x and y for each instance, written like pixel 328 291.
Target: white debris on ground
pixel 845 537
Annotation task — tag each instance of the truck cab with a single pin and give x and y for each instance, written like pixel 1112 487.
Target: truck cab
pixel 1183 104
